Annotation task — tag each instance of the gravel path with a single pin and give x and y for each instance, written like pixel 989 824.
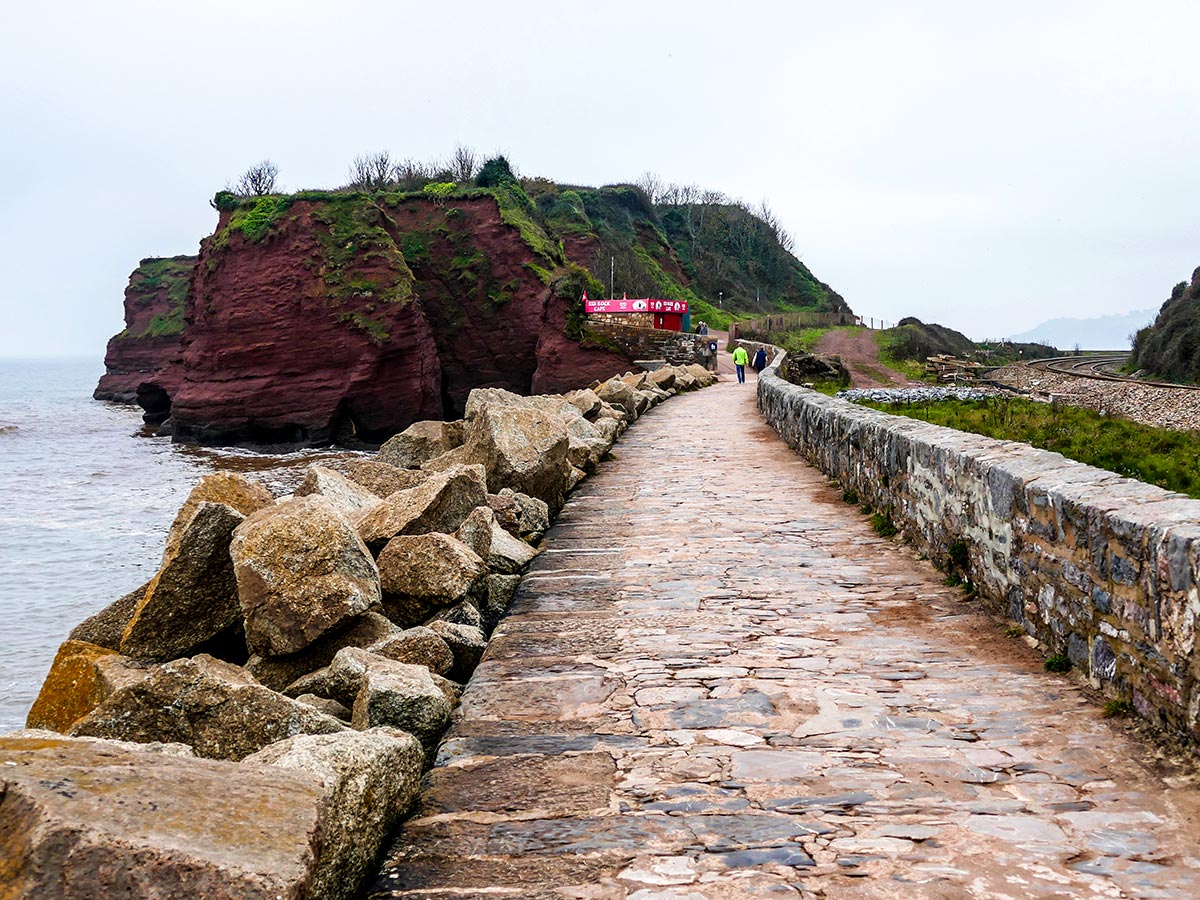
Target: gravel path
pixel 717 682
pixel 1150 405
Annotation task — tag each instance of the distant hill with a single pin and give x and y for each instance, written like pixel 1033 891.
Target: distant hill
pixel 1100 333
pixel 721 256
pixel 1170 347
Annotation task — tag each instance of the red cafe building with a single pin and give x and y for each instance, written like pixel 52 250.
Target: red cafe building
pixel 645 312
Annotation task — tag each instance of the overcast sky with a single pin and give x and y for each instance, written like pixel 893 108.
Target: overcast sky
pixel 983 166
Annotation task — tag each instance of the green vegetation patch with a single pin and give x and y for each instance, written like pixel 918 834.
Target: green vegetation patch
pixel 154 277
pixel 1170 348
pixel 1117 709
pixel 518 211
pixel 883 524
pixel 1160 456
pixel 1058 663
pixel 360 263
pixel 892 348
pixel 569 287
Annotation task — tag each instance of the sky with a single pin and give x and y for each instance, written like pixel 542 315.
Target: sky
pixel 982 166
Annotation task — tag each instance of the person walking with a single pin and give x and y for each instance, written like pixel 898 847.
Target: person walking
pixel 760 360
pixel 740 358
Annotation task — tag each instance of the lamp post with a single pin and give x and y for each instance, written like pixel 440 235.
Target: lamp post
pixel 721 298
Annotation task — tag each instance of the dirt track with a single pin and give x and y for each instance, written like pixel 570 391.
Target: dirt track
pixel 860 354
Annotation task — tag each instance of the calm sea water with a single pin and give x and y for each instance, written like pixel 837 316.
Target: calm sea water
pixel 85 502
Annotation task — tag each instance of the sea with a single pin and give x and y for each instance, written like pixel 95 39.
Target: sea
pixel 86 497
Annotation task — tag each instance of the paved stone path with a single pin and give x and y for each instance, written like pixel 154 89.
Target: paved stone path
pixel 717 682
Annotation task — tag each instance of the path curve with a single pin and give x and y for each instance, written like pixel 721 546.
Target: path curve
pixel 717 682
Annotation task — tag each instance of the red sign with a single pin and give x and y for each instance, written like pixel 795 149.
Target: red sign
pixel 625 305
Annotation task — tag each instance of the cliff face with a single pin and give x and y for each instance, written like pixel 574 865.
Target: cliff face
pixel 1170 347
pixel 344 318
pixel 148 348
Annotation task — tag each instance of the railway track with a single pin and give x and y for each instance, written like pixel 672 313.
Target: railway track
pixel 1101 367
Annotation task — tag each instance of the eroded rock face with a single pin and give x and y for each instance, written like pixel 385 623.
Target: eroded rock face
pixel 423 573
pixel 156 290
pixel 440 503
pixel 193 598
pixel 82 819
pixel 421 442
pixel 369 779
pixel 344 495
pixel 302 571
pixel 277 350
pixel 217 708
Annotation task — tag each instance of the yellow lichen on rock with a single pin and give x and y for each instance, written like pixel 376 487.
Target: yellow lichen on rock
pixel 72 689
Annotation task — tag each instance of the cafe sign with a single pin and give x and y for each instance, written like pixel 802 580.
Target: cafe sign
pixel 641 305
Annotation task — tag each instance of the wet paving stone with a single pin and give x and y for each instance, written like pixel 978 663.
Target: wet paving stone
pixel 716 682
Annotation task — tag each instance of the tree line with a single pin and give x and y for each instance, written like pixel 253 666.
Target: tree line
pixel 379 171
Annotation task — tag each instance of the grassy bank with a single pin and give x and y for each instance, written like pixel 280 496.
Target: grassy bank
pixel 1169 459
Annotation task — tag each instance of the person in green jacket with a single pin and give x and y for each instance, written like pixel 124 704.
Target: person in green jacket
pixel 740 358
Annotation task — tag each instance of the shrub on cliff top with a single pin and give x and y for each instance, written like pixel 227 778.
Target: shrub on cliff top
pixel 256 223
pixel 494 173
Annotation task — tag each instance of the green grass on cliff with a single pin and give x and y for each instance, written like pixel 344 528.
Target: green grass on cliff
pixel 172 275
pixel 1160 456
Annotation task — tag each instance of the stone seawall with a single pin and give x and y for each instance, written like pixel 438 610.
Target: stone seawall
pixel 1096 567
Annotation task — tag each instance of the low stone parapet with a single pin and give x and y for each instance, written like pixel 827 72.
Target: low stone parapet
pixel 1097 568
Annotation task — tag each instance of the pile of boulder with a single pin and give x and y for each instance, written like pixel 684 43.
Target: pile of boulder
pixel 255 719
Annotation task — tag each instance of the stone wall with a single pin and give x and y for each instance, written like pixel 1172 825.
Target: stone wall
pixel 1100 568
pixel 675 347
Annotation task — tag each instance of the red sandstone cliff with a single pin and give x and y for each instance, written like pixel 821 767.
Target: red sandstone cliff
pixel 148 349
pixel 341 317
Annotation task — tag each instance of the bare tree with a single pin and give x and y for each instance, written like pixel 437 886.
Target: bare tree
pixel 652 186
pixel 412 174
pixel 464 164
pixel 372 171
pixel 767 216
pixel 258 180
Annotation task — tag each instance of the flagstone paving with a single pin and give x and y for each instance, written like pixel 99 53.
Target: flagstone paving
pixel 718 682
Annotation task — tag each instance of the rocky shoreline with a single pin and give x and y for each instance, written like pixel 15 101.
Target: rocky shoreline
pixel 254 721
